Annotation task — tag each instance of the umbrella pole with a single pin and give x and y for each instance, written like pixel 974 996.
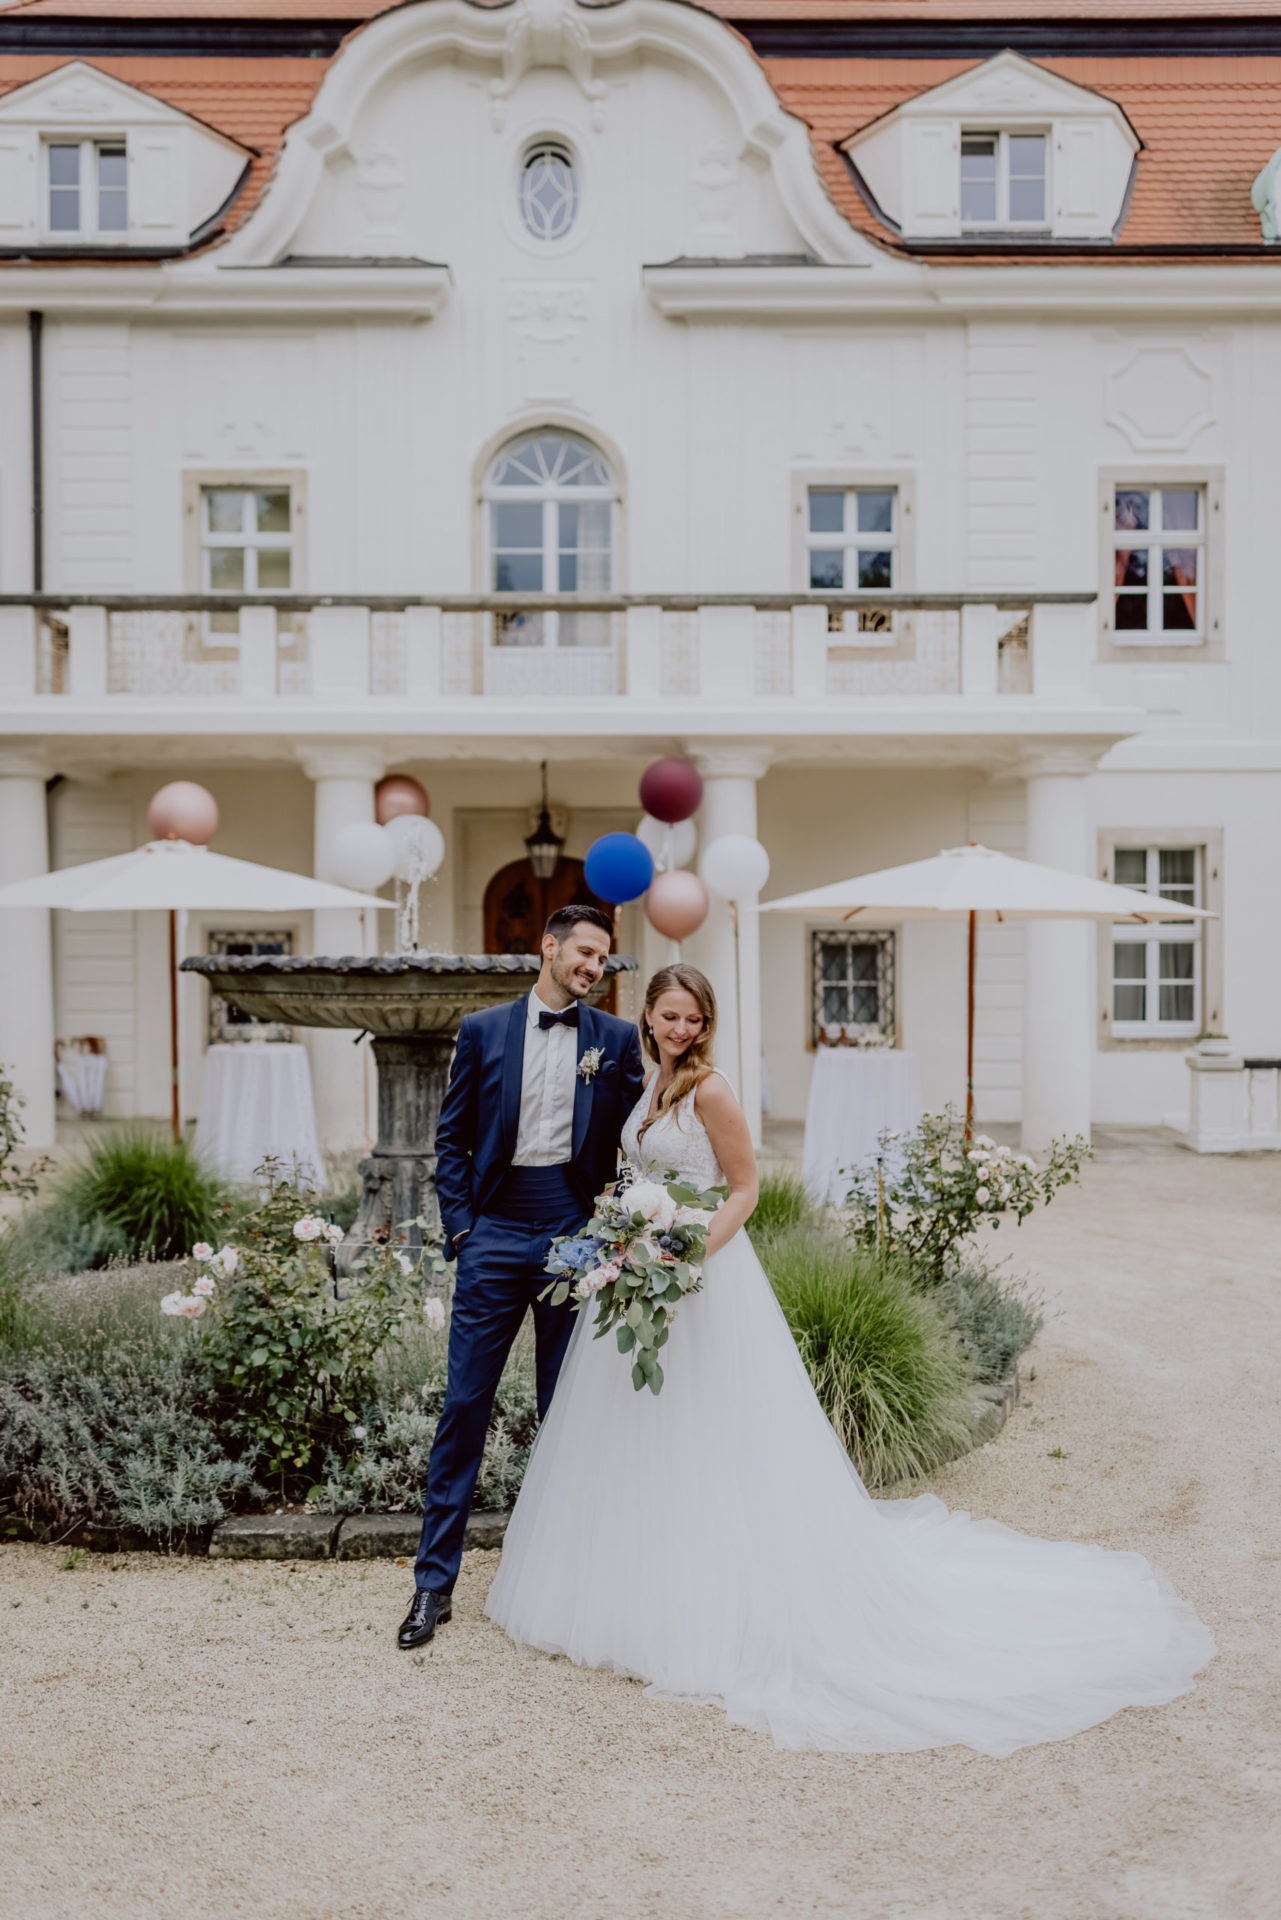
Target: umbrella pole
pixel 173 1022
pixel 969 1032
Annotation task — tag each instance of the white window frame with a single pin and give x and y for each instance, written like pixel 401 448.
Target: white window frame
pixel 545 629
pixel 1129 644
pixel 90 148
pixel 1003 223
pixel 1152 938
pixel 249 541
pixel 1153 540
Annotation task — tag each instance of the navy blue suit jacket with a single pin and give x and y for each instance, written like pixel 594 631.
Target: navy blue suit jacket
pixel 479 1116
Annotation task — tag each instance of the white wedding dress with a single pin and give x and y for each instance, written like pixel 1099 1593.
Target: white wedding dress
pixel 715 1541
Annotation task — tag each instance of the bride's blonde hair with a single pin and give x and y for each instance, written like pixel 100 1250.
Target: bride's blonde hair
pixel 695 1063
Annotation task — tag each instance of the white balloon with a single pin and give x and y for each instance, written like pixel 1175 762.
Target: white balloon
pixel 735 866
pixel 419 845
pixel 363 856
pixel 672 846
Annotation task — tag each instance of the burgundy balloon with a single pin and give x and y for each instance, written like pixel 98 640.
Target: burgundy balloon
pixel 671 790
pixel 676 903
pixel 399 793
pixel 183 811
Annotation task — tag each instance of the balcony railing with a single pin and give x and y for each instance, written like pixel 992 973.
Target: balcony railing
pixel 730 648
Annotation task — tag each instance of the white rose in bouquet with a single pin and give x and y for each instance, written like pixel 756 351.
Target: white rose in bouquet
pixel 653 1202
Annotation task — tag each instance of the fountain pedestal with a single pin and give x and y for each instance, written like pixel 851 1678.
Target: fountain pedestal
pixel 412 1006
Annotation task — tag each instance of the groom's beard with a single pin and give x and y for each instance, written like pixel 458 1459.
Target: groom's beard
pixel 566 976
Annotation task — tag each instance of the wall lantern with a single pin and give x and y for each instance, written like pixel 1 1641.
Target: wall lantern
pixel 544 844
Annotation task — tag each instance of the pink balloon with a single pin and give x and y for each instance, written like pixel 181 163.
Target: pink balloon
pixel 676 903
pixel 183 811
pixel 399 793
pixel 671 790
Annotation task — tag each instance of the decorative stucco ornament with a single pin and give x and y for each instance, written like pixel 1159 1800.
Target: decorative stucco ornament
pixel 546 33
pixel 1264 195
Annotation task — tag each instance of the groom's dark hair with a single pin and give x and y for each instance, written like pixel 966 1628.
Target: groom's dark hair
pixel 565 919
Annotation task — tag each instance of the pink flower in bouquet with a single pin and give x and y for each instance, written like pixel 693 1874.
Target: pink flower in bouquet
pixel 605 1275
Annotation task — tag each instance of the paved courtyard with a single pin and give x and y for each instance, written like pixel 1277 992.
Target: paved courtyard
pixel 191 1738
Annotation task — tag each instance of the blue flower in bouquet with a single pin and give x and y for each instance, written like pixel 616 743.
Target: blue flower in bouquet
pixel 574 1256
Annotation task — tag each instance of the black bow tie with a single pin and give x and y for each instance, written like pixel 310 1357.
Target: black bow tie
pixel 567 1019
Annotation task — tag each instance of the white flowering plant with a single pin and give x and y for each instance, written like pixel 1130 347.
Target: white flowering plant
pixel 290 1353
pixel 638 1258
pixel 939 1188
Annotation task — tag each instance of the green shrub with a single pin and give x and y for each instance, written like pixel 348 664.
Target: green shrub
pixel 135 1195
pixel 14 1179
pixel 783 1203
pixel 117 1436
pixel 54 1238
pixel 882 1356
pixel 944 1186
pixel 996 1319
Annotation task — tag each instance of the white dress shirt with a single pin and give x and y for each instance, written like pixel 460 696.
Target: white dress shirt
pixel 545 1135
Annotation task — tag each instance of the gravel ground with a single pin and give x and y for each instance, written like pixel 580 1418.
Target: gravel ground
pixel 192 1738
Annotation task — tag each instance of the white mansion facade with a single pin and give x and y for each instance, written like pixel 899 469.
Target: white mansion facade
pixel 896 482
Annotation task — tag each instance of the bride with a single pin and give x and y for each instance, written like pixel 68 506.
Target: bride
pixel 715 1541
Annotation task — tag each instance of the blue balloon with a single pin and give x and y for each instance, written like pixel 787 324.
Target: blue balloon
pixel 618 867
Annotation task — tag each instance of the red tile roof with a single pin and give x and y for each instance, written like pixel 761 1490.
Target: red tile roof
pixel 1208 125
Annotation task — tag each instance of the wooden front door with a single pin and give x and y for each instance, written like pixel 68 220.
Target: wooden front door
pixel 518 906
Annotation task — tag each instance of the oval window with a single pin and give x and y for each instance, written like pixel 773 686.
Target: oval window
pixel 548 191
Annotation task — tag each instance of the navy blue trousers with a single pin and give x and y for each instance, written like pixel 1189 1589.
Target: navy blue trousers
pixel 501 1272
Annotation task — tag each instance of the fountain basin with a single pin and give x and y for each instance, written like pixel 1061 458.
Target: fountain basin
pixel 412 1006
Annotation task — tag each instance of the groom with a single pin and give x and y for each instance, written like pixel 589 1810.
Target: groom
pixel 528 1136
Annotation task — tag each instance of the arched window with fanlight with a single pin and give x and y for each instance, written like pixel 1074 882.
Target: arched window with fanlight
pixel 551 510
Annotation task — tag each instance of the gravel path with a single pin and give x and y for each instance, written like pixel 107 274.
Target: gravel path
pixel 191 1738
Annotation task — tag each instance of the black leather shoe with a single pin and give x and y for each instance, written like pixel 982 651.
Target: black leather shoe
pixel 429 1611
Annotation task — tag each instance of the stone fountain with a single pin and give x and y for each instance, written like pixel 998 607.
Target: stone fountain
pixel 411 1005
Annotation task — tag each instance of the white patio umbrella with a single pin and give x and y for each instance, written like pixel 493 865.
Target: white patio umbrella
pixel 973 883
pixel 175 876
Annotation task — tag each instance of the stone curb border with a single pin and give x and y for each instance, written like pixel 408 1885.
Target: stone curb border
pixel 394 1536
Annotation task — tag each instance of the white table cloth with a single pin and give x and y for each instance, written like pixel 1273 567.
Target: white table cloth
pixel 855 1095
pixel 255 1100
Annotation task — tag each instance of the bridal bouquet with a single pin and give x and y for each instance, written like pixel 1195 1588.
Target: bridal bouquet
pixel 638 1256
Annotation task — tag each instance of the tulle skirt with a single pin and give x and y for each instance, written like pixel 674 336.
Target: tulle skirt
pixel 716 1542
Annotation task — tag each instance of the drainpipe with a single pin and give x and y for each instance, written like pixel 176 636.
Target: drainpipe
pixel 35 324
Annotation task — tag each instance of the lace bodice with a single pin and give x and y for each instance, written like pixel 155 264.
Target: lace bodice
pixel 676 1143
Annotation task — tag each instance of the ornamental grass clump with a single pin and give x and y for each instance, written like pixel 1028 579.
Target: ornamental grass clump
pixel 940 1187
pixel 881 1355
pixel 135 1196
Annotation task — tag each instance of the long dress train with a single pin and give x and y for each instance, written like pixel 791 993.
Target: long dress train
pixel 716 1542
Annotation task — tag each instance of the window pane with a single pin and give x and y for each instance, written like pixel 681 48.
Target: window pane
pixel 518 573
pixel 863 962
pixel 585 524
pixel 1179 613
pixel 1130 960
pixel 865 1006
pixel 876 571
pixel 831 960
pixel 274 569
pixel 1179 510
pixel 224 511
pixel 1132 867
pixel 1178 566
pixel 548 193
pixel 1178 960
pixel 226 569
pixel 876 512
pixel 1178 988
pixel 272 510
pixel 519 525
pixel 1131 613
pixel 827 512
pixel 113 209
pixel 978 179
pixel 1132 567
pixel 1027 176
pixel 827 569
pixel 1131 510
pixel 1129 1003
pixel 64 166
pixel 1178 873
pixel 834 1007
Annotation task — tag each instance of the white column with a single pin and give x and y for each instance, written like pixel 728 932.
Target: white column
pixel 26 954
pixel 1058 1018
pixel 730 774
pixel 344 778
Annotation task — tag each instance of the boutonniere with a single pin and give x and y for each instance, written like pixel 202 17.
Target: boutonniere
pixel 589 1065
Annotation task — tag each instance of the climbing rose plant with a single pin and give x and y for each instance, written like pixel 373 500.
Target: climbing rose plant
pixel 940 1189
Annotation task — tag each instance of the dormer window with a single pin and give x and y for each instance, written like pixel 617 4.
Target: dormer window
pixel 1003 180
pixel 88 189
